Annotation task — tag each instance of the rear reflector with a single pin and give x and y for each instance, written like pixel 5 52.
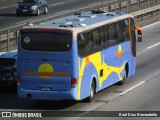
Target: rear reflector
pixel 73 82
pixel 71 31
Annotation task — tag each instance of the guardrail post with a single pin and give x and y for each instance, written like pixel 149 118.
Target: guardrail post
pixel 128 6
pixel 120 9
pixel 138 4
pixel 45 20
pixel 103 6
pixel 8 36
pixel 156 2
pixel 115 7
pixel 147 3
pixel 109 8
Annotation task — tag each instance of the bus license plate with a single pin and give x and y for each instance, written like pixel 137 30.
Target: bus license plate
pixel 46 88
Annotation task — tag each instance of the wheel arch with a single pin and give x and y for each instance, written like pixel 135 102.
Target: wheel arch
pixel 95 80
pixel 127 68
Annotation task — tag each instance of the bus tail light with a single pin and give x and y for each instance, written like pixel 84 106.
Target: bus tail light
pixel 18 79
pixel 71 31
pixel 73 82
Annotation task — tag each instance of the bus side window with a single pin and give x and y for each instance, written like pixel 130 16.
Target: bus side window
pixel 81 41
pixel 112 32
pixel 122 31
pixel 97 37
pixel 90 43
pixel 105 36
pixel 126 29
pixel 85 44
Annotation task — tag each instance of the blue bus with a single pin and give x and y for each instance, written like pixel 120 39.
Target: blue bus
pixel 74 57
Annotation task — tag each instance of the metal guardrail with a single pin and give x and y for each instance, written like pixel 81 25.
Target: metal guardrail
pixel 139 8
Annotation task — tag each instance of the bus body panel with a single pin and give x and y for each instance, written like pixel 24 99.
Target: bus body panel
pixel 85 81
pixel 48 95
pixel 31 74
pixel 112 66
pixel 133 66
pixel 37 86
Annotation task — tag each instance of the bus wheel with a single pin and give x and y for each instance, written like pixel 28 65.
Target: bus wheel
pixel 92 92
pixel 124 78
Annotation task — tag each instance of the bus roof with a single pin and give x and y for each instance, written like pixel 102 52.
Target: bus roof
pixel 81 20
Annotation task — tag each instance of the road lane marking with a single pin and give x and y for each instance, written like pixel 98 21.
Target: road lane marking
pixel 94 3
pixel 126 91
pixel 150 24
pixel 153 45
pixel 7 7
pixel 23 21
pixel 61 12
pixel 56 4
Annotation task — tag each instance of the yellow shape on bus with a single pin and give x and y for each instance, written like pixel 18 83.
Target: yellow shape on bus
pixel 45 68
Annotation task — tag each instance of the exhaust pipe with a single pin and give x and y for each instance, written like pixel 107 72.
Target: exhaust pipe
pixel 29 95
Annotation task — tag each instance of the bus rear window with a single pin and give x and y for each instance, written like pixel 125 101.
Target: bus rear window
pixel 46 41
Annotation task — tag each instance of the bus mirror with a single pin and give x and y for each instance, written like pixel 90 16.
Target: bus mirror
pixel 139 34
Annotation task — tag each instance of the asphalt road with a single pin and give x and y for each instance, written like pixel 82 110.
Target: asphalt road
pixel 139 93
pixel 8 10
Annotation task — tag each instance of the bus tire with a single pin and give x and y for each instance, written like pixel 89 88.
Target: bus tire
pixel 125 76
pixel 92 92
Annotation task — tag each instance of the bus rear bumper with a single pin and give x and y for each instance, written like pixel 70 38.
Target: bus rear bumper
pixel 47 95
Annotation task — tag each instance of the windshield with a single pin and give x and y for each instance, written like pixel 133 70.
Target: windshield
pixel 46 41
pixel 29 1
